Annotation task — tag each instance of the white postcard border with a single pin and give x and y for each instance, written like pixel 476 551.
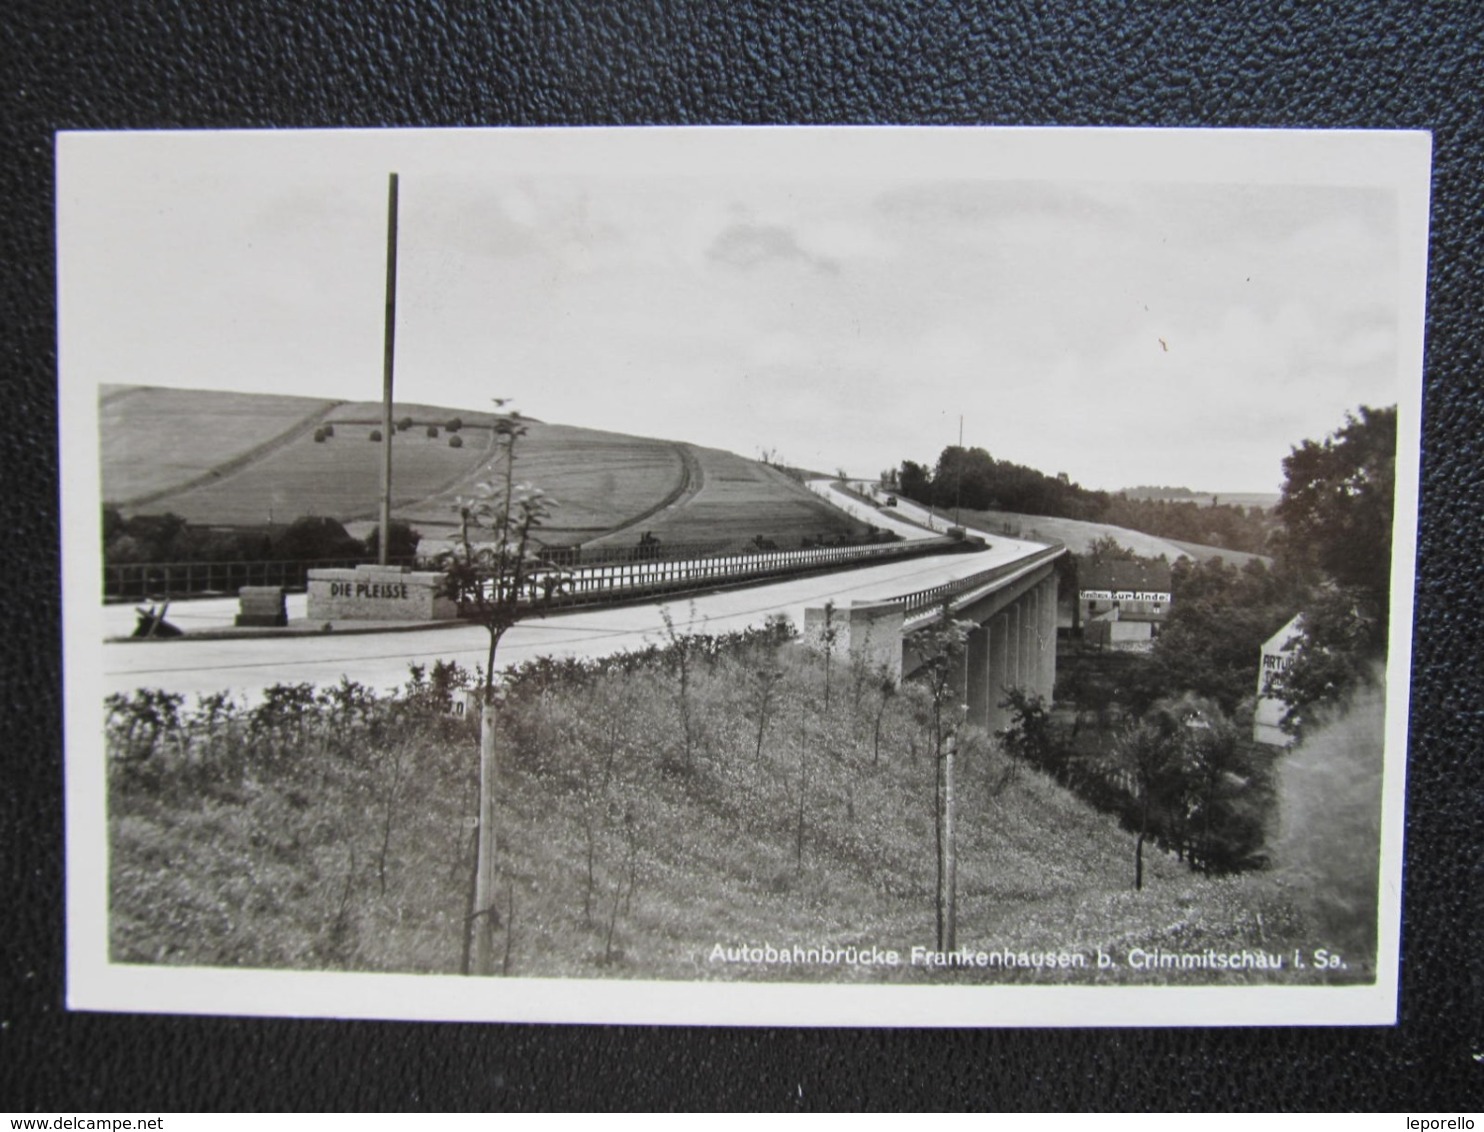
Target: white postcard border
pixel 1299 157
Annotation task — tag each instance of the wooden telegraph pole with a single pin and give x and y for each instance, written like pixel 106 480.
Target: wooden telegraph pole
pixel 484 867
pixel 386 372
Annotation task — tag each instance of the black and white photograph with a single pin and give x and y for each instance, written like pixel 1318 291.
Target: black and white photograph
pixel 822 576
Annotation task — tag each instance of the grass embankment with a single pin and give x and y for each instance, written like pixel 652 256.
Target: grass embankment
pixel 1078 534
pixel 154 442
pixel 732 501
pixel 596 480
pixel 639 827
pixel 1202 553
pixel 239 459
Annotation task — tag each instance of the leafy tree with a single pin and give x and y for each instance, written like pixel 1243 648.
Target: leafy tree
pixel 916 482
pixel 827 638
pixel 316 537
pixel 401 544
pixel 765 678
pixel 1337 505
pixel 972 477
pixel 1029 736
pixel 940 647
pixel 886 690
pixel 1215 794
pixel 145 538
pixel 114 524
pixel 492 580
pixel 684 647
pixel 1219 618
pixel 1337 508
pixel 1106 548
pixel 493 562
pixel 1334 655
pixel 1145 755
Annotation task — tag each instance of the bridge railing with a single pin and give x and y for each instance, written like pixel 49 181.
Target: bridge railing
pixel 658 550
pixel 934 596
pixel 139 581
pixel 627 580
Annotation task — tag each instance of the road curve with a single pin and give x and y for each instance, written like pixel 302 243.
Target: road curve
pixel 246 665
pixel 877 516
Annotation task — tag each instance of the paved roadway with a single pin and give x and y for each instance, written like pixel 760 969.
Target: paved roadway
pixel 914 513
pixel 246 665
pixel 881 517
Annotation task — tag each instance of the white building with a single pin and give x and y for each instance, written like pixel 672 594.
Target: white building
pixel 1277 654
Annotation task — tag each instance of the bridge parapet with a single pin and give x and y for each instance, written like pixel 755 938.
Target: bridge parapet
pixel 867 633
pixel 932 598
pixel 1013 646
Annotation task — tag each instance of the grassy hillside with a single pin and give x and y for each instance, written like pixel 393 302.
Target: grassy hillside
pixel 597 480
pixel 643 820
pixel 726 496
pixel 158 441
pixel 1078 534
pixel 1263 499
pixel 226 459
pixel 1207 553
pixel 339 477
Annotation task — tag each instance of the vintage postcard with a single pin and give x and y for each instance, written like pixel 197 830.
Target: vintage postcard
pixel 794 576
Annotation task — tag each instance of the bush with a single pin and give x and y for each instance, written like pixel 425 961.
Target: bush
pixel 146 538
pixel 401 544
pixel 328 429
pixel 432 431
pixel 454 424
pixel 375 435
pixel 319 436
pixel 329 828
pixel 404 424
pixel 455 441
pixel 314 537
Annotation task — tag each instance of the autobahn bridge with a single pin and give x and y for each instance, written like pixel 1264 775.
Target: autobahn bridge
pixel 1008 589
pixel 1012 645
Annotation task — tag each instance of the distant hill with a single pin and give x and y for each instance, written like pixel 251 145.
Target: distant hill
pixel 1078 534
pixel 1263 499
pixel 246 460
pixel 1230 557
pixel 974 480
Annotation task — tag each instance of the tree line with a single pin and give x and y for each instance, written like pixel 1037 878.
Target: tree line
pixel 1329 535
pixel 972 479
pixel 310 538
pixel 1160 739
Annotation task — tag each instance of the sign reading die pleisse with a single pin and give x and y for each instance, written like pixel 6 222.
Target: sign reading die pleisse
pixel 378 593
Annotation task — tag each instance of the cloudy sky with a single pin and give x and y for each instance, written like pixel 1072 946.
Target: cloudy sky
pixel 839 297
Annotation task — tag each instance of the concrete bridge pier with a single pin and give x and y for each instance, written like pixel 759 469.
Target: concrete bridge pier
pixel 1014 646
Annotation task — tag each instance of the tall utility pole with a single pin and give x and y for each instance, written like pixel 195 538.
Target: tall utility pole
pixel 386 372
pixel 959 464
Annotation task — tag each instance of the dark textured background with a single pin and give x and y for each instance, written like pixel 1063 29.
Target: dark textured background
pixel 133 65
